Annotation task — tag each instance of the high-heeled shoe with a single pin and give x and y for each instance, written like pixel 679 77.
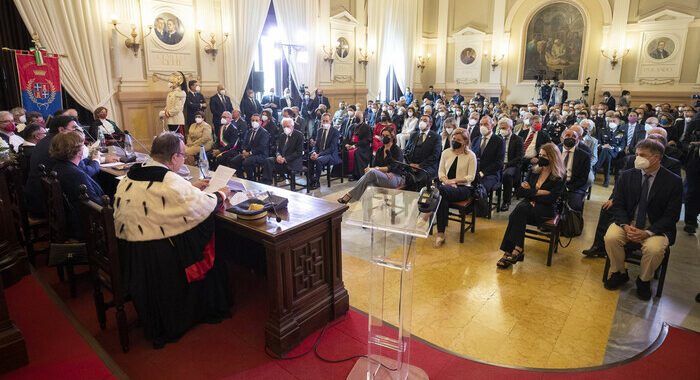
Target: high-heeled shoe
pixel 345 199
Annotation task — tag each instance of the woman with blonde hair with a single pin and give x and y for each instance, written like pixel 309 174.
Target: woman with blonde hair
pixel 541 193
pixel 448 128
pixel 456 172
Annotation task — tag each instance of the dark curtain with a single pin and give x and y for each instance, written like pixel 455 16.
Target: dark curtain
pixel 392 85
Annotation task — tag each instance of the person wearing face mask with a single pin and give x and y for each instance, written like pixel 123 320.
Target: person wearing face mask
pixel 194 103
pixel 423 151
pixel 591 143
pixel 523 123
pixel 473 125
pixel 608 100
pixel 287 101
pixel 540 192
pixel 113 135
pixel 219 103
pixel 558 95
pixel 409 125
pixel 578 165
pixel 226 145
pixel 456 172
pixel 673 132
pixel 200 134
pixel 612 142
pixel 307 110
pixel 533 139
pixel 340 114
pixel 635 132
pixel 324 151
pixel 358 147
pixel 645 208
pixel 268 122
pixel 387 169
pixel 7 131
pixel 20 116
pixel 490 152
pixel 256 144
pixel 430 94
pixel 446 134
pixel 272 101
pixel 175 104
pixel 250 105
pixel 441 116
pixel 288 155
pixel 625 99
pixel 347 122
pixel 384 122
pixel 33 133
pixel 512 159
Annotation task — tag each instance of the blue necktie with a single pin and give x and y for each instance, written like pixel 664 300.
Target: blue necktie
pixel 640 222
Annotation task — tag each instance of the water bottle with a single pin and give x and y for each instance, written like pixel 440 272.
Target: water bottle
pixel 128 146
pixel 203 163
pixel 101 137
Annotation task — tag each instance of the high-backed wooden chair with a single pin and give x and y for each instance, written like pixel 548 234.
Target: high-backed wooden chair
pixel 56 215
pixel 633 255
pixel 548 232
pixel 104 261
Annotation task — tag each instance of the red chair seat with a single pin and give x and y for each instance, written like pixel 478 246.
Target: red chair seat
pixel 461 204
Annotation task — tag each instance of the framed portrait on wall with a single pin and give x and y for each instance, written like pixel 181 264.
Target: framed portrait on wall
pixel 469 47
pixel 171 46
pixel 554 40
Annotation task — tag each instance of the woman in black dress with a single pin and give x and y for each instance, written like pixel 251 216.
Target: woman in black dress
pixel 541 193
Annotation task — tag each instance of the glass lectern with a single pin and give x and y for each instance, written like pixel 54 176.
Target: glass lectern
pixel 392 220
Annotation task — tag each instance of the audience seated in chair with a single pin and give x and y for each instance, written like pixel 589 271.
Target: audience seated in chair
pixel 577 163
pixel 228 143
pixel 288 157
pixel 645 208
pixel 541 194
pixel 199 135
pixel 324 151
pixel 490 152
pixel 359 147
pixel 423 151
pixel 386 171
pixel 512 160
pixel 456 171
pixel 33 133
pixel 112 134
pixel 255 149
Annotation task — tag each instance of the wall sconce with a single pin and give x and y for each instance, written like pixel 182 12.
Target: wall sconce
pixel 329 54
pixel 364 57
pixel 211 47
pixel 422 61
pixel 495 61
pixel 614 59
pixel 130 42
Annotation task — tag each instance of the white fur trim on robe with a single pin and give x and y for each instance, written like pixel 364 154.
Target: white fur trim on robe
pixel 162 210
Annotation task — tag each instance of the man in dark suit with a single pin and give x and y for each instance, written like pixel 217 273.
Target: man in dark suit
pixel 558 95
pixel 219 104
pixel 194 103
pixel 250 105
pixel 287 101
pixel 609 100
pixel 512 160
pixel 490 152
pixel 271 101
pixel 578 164
pixel 472 125
pixel 457 97
pixel 299 121
pixel 612 141
pixel 533 139
pixel 324 151
pixel 545 92
pixel 347 122
pixel 646 207
pixel 423 150
pixel 430 94
pixel 636 132
pixel 288 155
pixel 256 144
pixel 320 100
pixel 228 143
pixel 240 124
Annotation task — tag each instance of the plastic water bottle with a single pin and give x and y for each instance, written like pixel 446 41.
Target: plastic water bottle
pixel 101 137
pixel 203 163
pixel 128 145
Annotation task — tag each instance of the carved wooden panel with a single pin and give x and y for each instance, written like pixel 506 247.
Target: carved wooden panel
pixel 307 266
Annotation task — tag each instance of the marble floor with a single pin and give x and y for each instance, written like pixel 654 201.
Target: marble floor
pixel 528 315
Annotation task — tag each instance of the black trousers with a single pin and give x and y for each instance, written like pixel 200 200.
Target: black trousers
pixel 692 198
pixel 449 194
pixel 511 176
pixel 604 221
pixel 575 199
pixel 361 161
pixel 605 158
pixel 522 215
pixel 247 165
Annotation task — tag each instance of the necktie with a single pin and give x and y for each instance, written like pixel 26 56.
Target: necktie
pixel 566 159
pixel 484 140
pixel 528 141
pixel 422 137
pixel 284 146
pixel 222 99
pixel 252 137
pixel 640 222
pixel 325 136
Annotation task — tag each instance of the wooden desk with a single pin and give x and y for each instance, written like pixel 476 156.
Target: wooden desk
pixel 304 264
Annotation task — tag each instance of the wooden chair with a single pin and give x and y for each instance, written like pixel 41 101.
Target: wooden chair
pixel 291 175
pixel 633 255
pixel 495 206
pixel 104 262
pixel 547 232
pixel 458 213
pixel 29 228
pixel 56 215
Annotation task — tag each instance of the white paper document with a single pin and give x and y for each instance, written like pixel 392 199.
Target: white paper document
pixel 220 178
pixel 111 164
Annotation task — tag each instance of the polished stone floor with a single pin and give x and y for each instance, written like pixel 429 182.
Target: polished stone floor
pixel 530 314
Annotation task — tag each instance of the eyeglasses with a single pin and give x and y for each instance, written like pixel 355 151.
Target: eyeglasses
pixel 181 154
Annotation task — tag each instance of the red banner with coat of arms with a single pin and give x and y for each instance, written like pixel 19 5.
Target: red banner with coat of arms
pixel 39 82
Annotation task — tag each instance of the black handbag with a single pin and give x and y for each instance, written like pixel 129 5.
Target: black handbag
pixel 67 254
pixel 571 224
pixel 481 201
pixel 415 180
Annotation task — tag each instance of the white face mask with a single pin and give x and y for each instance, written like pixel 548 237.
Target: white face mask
pixel 687 119
pixel 484 130
pixel 641 162
pixel 612 126
pixel 458 112
pixel 522 113
pixel 264 117
pixel 198 120
pixel 23 119
pixel 472 121
pixel 442 114
pixel 306 97
pixel 526 121
pixel 400 112
pixel 197 88
pixel 648 126
pixel 287 131
pixel 222 92
pixel 449 130
pixel 565 113
pixel 505 132
pixel 326 126
pixel 223 121
pixel 410 113
pixel 255 125
pixel 351 113
pixel 600 113
pixel 423 126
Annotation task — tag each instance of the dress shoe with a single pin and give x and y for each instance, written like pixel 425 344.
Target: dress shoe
pixel 606 184
pixel 616 280
pixel 595 251
pixel 505 206
pixel 690 229
pixel 643 289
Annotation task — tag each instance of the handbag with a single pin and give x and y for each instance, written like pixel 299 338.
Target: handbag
pixel 571 224
pixel 414 180
pixel 67 254
pixel 481 201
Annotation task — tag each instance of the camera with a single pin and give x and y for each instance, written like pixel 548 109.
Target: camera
pixel 697 101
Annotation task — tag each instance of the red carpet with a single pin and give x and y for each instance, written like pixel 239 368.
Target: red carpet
pixel 55 349
pixel 234 349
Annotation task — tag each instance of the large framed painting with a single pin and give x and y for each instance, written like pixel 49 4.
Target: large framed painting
pixel 554 43
pixel 171 45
